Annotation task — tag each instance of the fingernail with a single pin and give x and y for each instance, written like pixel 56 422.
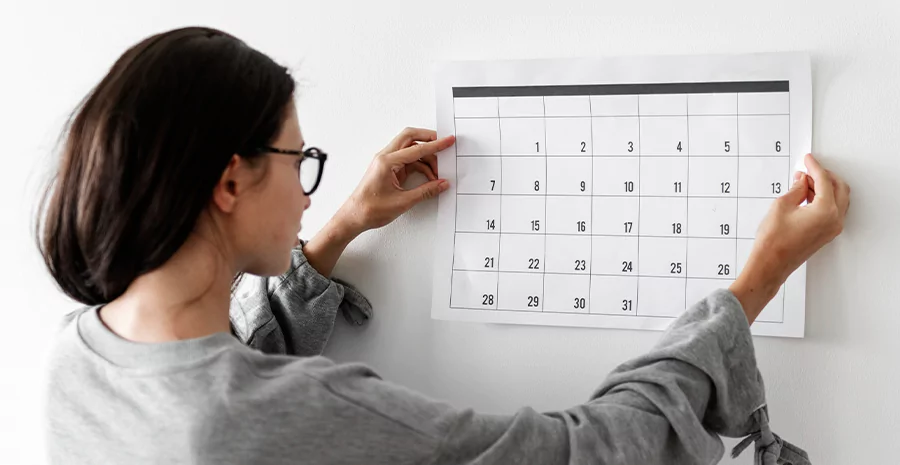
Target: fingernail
pixel 443 185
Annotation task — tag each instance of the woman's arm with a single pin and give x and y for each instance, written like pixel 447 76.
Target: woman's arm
pixel 380 197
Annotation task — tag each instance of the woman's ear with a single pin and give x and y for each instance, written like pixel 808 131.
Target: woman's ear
pixel 232 183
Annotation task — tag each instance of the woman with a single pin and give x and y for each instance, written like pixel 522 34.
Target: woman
pixel 180 171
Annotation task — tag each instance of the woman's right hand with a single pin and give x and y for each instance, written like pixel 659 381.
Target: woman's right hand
pixel 791 233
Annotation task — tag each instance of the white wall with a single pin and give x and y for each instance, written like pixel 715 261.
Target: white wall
pixel 367 73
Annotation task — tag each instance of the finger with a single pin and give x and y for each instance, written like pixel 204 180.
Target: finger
pixel 414 153
pixel 422 168
pixel 797 193
pixel 429 190
pixel 841 193
pixel 408 137
pixel 431 161
pixel 821 179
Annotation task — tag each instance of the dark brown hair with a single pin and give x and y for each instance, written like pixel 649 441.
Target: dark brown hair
pixel 144 150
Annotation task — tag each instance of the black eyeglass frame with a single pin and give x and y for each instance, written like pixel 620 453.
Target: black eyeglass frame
pixel 312 152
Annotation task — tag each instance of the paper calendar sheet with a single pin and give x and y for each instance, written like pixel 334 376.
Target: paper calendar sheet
pixel 613 192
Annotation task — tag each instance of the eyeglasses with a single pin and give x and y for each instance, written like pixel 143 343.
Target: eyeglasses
pixel 310 175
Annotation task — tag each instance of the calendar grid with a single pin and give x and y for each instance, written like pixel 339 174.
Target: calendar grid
pixel 500 208
pixel 687 203
pixel 546 184
pixel 657 164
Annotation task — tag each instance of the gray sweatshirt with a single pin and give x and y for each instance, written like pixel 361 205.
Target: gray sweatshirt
pixel 263 395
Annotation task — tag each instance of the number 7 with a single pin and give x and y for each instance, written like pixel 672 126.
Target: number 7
pixel 493 183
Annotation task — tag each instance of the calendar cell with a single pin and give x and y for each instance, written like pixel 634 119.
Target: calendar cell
pixel 522 214
pixel 663 297
pixel 568 254
pixel 744 247
pixel 569 215
pixel 521 106
pixel 712 104
pixel 664 135
pixel 764 103
pixel 478 175
pixel 614 105
pixel 473 289
pixel 616 136
pixel 617 176
pixel 616 216
pixel 522 252
pixel 569 176
pixel 664 216
pixel 521 291
pixel 476 251
pixel 522 137
pixel 663 256
pixel 569 137
pixel 567 294
pixel 478 136
pixel 478 213
pixel 698 289
pixel 475 107
pixel 713 176
pixel 615 256
pixel 663 104
pixel 524 175
pixel 714 218
pixel 750 213
pixel 713 135
pixel 764 135
pixel 614 295
pixel 567 105
pixel 664 176
pixel 764 176
pixel 711 258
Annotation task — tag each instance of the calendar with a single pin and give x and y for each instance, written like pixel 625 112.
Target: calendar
pixel 613 192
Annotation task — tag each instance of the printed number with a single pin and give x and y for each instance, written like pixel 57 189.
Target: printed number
pixel 676 268
pixel 676 228
pixel 626 305
pixel 583 146
pixel 727 145
pixel 777 145
pixel 630 146
pixel 490 224
pixel 533 301
pixel 534 264
pixel 537 147
pixel 776 187
pixel 629 186
pixel 580 302
pixel 537 185
pixel 626 267
pixel 679 146
pixel 487 299
pixel 535 225
pixel 628 226
pixel 582 226
pixel 724 229
pixel 583 186
pixel 726 187
pixel 724 270
pixel 493 183
pixel 580 265
pixel 677 186
pixel 488 262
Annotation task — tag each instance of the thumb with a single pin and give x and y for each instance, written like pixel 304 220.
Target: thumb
pixel 797 194
pixel 428 190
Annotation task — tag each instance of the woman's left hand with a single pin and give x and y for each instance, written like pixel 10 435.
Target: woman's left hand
pixel 380 197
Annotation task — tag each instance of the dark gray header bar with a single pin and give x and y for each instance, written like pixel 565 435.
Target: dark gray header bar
pixel 625 89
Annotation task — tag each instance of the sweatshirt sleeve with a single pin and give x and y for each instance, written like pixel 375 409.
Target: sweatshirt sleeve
pixel 668 406
pixel 294 313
